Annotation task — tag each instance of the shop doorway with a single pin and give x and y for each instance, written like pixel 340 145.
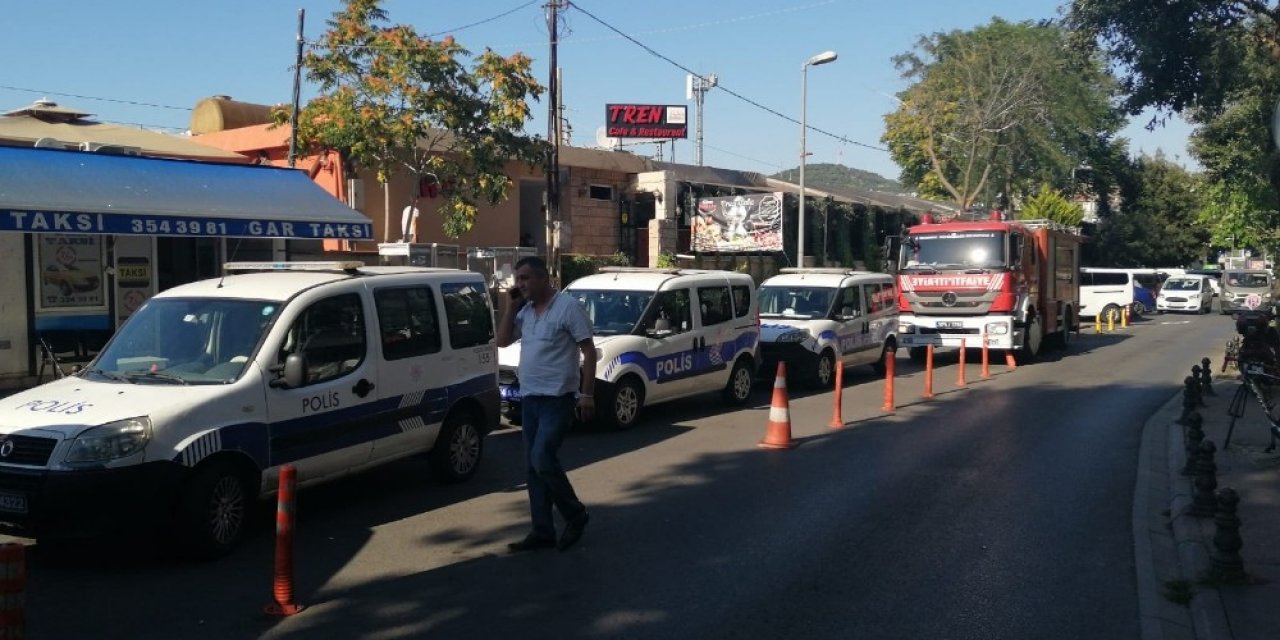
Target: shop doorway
pixel 183 260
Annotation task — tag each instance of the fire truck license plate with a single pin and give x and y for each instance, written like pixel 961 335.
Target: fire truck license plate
pixel 950 325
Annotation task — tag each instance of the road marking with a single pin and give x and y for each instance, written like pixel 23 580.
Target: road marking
pixel 1177 322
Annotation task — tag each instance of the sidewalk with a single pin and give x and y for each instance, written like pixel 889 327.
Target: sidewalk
pixel 1179 545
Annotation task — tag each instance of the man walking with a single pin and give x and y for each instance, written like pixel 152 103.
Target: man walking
pixel 553 330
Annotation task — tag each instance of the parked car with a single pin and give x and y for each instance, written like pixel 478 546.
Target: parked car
pixel 813 319
pixel 1185 293
pixel 197 402
pixel 1103 290
pixel 660 334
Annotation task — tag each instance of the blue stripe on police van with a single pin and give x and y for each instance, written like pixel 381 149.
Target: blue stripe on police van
pixel 685 364
pixel 299 438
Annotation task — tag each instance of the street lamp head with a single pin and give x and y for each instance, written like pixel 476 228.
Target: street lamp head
pixel 821 58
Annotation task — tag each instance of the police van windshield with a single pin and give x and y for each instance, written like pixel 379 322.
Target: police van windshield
pixel 186 341
pixel 612 313
pixel 795 302
pixel 953 250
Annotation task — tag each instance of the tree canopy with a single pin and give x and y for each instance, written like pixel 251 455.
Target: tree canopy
pixel 995 111
pixel 393 100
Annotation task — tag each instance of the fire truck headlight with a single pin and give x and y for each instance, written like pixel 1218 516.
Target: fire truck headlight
pixel 997 328
pixel 906 328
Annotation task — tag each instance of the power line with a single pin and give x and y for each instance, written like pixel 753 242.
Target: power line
pixel 485 21
pixel 84 97
pixel 742 157
pixel 723 88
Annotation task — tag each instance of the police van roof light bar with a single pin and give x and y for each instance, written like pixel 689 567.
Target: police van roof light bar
pixel 347 266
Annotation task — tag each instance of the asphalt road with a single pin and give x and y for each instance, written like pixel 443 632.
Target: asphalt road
pixel 1000 510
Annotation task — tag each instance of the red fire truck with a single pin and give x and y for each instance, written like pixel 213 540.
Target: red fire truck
pixel 1013 283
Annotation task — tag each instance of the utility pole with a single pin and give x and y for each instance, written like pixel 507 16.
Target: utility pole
pixel 552 199
pixel 279 247
pixel 696 88
pixel 297 92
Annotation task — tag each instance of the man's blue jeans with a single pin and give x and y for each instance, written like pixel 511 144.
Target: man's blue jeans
pixel 545 419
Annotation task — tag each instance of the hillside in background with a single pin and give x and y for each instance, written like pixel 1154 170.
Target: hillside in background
pixel 839 176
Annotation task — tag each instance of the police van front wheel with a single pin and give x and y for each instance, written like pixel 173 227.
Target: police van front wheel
pixel 624 404
pixel 824 369
pixel 214 512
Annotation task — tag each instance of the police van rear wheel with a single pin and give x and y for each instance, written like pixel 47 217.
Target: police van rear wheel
pixel 739 388
pixel 214 511
pixel 890 350
pixel 456 454
pixel 625 403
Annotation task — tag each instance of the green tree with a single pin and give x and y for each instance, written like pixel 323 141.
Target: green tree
pixel 1177 54
pixel 996 111
pixel 393 100
pixel 1048 204
pixel 1158 222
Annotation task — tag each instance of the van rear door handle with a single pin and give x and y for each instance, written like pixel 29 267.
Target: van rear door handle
pixel 362 388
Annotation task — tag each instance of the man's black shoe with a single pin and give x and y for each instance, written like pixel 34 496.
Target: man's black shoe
pixel 532 542
pixel 572 532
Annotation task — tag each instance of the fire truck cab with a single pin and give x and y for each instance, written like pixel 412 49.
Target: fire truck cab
pixel 1010 283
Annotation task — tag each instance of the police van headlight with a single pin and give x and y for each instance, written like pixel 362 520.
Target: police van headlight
pixel 110 441
pixel 793 336
pixel 906 328
pixel 997 328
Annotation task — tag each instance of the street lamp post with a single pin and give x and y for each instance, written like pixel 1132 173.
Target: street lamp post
pixel 821 58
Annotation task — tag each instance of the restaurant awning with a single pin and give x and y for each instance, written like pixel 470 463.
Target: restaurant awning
pixel 56 191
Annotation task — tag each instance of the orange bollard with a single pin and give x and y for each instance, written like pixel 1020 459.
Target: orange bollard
pixel 986 359
pixel 13 584
pixel 777 434
pixel 837 412
pixel 960 382
pixel 283 587
pixel 928 372
pixel 1009 361
pixel 889 367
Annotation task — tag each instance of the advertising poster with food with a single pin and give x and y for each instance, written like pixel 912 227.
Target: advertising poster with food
pixel 735 224
pixel 70 271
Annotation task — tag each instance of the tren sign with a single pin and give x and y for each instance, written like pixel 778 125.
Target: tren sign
pixel 646 121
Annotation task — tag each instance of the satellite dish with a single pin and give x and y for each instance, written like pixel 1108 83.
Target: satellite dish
pixel 49 143
pixel 605 142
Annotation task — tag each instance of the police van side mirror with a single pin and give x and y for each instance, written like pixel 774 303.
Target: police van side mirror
pixel 294 372
pixel 659 334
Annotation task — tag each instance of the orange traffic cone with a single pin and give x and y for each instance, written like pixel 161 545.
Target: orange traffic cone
pixel 777 434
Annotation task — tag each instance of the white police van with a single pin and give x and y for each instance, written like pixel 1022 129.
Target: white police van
pixel 191 409
pixel 811 318
pixel 660 334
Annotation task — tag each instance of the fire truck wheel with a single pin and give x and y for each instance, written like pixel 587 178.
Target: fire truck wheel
pixel 918 354
pixel 1032 336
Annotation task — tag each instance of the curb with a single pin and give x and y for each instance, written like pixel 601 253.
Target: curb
pixel 1168 544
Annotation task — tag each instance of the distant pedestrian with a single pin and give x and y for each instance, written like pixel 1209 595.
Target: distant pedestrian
pixel 554 334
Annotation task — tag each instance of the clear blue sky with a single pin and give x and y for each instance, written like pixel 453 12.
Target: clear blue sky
pixel 169 55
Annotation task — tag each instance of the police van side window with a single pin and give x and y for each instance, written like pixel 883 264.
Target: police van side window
pixel 467 311
pixel 715 305
pixel 330 336
pixel 850 302
pixel 741 300
pixel 407 322
pixel 670 312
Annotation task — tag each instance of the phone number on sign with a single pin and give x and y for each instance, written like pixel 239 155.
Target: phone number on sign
pixel 180 226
